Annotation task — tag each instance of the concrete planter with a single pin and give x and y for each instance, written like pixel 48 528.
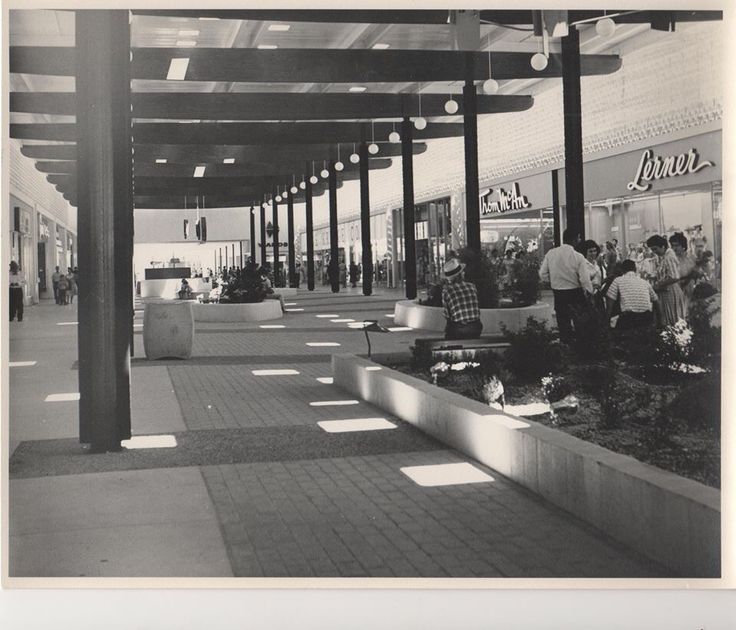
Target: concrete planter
pixel 168 288
pixel 258 312
pixel 411 313
pixel 168 330
pixel 670 519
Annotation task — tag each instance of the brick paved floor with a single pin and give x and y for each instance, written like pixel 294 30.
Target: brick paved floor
pixel 291 499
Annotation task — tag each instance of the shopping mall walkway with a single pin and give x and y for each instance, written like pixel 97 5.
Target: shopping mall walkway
pixel 254 486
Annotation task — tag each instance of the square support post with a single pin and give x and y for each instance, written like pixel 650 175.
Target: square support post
pixel 407 171
pixel 252 236
pixel 309 229
pixel 334 268
pixel 365 221
pixel 275 225
pixel 263 232
pixel 290 229
pixel 572 111
pixel 472 201
pixel 105 211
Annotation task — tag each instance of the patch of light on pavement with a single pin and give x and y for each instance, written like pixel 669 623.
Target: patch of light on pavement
pixel 327 316
pixel 327 380
pixel 274 372
pixel 290 303
pixel 293 310
pixel 373 368
pixel 391 315
pixel 320 344
pixel 62 397
pixel 149 441
pixel 445 474
pixel 400 328
pixel 333 403
pixel 357 424
pixel 271 326
pixel 341 321
pixel 21 363
pixel 530 409
pixel 67 323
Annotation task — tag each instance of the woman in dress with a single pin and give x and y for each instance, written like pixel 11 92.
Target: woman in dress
pixel 686 265
pixel 592 251
pixel 672 305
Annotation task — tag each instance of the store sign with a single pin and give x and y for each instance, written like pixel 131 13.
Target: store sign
pixel 653 167
pixel 505 201
pixel 43 230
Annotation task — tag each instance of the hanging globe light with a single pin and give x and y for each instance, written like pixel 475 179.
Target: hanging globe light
pixel 303 185
pixel 264 205
pixel 539 61
pixel 451 106
pixel 339 166
pixel 394 137
pixel 372 148
pixel 294 190
pixel 420 123
pixel 354 158
pixel 313 179
pixel 325 173
pixel 605 27
pixel 490 86
pixel 278 198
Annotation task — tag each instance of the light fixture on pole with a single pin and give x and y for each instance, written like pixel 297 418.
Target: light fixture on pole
pixel 373 147
pixel 490 85
pixel 540 60
pixel 339 165
pixel 451 106
pixel 303 185
pixel 294 189
pixel 420 122
pixel 354 157
pixel 313 179
pixel 605 27
pixel 394 135
pixel 324 173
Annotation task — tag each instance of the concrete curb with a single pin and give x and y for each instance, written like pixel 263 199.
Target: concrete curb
pixel 670 519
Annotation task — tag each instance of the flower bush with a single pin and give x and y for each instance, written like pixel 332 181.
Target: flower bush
pixel 245 288
pixel 555 388
pixel 674 345
pixel 533 351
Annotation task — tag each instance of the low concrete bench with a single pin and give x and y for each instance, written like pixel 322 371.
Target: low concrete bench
pixel 440 349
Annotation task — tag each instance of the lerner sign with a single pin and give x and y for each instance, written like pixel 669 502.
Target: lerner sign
pixel 511 200
pixel 653 167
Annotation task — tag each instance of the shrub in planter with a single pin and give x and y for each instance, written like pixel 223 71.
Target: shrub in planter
pixel 592 334
pixel 246 288
pixel 434 296
pixel 533 351
pixel 699 404
pixel 483 272
pixel 524 287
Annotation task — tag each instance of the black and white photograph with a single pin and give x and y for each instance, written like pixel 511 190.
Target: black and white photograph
pixel 375 297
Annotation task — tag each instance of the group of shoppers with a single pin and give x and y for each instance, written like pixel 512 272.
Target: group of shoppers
pixel 65 285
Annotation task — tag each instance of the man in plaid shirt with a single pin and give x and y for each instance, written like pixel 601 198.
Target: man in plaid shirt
pixel 460 301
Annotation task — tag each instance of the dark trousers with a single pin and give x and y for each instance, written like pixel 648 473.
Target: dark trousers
pixel 56 291
pixel 566 300
pixel 468 330
pixel 16 303
pixel 629 320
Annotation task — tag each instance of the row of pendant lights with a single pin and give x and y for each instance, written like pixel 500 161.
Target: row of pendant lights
pixel 604 27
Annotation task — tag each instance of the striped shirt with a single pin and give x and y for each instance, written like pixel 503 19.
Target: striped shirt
pixel 636 294
pixel 460 300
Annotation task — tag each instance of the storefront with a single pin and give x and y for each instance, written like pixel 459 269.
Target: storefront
pixel 21 245
pixel 433 242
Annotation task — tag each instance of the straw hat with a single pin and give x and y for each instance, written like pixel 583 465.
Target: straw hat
pixel 452 268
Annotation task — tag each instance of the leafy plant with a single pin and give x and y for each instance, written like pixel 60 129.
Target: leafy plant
pixel 533 351
pixel 524 287
pixel 245 288
pixel 483 272
pixel 555 388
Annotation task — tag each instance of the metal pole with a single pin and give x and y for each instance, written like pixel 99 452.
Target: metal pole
pixel 310 232
pixel 556 208
pixel 276 274
pixel 365 221
pixel 407 164
pixel 263 232
pixel 572 108
pixel 290 227
pixel 252 236
pixel 334 253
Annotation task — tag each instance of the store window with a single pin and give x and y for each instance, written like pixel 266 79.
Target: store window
pixel 528 230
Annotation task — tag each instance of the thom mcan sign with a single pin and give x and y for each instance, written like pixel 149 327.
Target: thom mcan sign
pixel 653 167
pixel 503 201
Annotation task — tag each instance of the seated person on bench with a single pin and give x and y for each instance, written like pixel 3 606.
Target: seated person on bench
pixel 185 291
pixel 460 301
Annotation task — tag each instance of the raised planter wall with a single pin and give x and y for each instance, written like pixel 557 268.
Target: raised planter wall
pixel 258 312
pixel 670 519
pixel 410 313
pixel 168 288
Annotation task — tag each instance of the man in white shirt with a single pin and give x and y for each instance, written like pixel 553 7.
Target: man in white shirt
pixel 566 271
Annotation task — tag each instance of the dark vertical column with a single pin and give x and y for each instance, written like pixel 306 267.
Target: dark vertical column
pixel 365 221
pixel 472 202
pixel 572 110
pixel 556 207
pixel 263 232
pixel 290 228
pixel 226 262
pixel 240 260
pixel 232 258
pixel 310 231
pixel 252 236
pixel 104 182
pixel 334 275
pixel 276 275
pixel 220 265
pixel 407 168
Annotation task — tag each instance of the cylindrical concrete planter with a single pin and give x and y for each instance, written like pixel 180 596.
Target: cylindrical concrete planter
pixel 168 330
pixel 258 312
pixel 411 313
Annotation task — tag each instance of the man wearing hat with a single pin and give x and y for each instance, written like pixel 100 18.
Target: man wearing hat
pixel 460 300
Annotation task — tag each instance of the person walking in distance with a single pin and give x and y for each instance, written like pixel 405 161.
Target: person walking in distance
pixel 55 277
pixel 460 301
pixel 17 282
pixel 567 273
